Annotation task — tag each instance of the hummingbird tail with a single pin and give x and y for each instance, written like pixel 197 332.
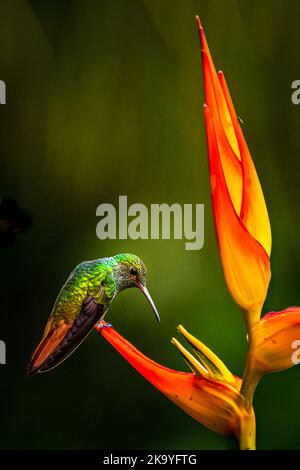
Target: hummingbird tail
pixel 51 339
pixel 60 341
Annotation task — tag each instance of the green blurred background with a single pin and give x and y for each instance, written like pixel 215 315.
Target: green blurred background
pixel 105 98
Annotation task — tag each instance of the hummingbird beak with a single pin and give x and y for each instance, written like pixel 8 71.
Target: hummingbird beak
pixel 149 298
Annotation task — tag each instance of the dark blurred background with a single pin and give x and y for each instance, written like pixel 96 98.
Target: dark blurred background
pixel 105 98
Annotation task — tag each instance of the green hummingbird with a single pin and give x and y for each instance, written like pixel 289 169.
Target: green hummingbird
pixel 82 302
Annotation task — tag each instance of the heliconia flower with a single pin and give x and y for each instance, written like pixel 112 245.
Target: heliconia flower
pixel 276 340
pixel 240 213
pixel 210 394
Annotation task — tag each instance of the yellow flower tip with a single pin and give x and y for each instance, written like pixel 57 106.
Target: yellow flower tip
pixel 191 361
pixel 181 329
pixel 176 343
pixel 214 366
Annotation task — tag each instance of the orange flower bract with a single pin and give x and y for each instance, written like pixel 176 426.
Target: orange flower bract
pixel 240 213
pixel 216 404
pixel 276 340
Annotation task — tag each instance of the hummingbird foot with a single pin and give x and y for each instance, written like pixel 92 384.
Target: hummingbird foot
pixel 103 324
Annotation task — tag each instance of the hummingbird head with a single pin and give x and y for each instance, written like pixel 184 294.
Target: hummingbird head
pixel 130 271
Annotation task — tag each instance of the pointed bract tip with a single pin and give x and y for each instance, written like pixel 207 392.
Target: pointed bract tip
pixel 201 34
pixel 198 21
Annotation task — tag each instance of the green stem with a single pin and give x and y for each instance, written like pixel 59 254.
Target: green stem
pixel 248 432
pixel 251 378
pixel 252 375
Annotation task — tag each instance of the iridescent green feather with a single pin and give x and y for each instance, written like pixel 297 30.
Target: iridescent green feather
pixel 101 279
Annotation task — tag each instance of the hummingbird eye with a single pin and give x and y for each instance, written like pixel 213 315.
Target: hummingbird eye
pixel 133 271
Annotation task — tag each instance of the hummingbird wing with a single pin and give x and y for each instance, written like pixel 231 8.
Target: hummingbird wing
pixel 59 341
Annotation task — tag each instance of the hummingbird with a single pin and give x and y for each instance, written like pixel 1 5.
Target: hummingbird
pixel 83 302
